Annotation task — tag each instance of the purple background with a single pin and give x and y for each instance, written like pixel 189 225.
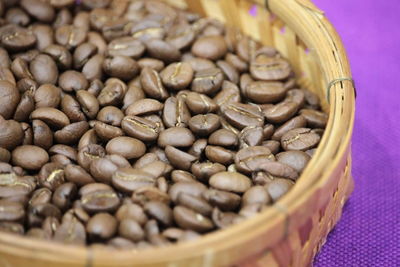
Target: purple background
pixel 369 231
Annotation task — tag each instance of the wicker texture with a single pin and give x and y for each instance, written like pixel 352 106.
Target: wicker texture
pixel 291 232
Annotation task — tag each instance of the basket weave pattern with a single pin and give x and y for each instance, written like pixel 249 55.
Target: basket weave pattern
pixel 292 231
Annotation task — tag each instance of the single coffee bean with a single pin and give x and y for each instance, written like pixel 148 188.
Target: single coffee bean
pixel 11 134
pixel 236 62
pixel 93 69
pixel 126 46
pixel 60 55
pixel 251 136
pixel 162 50
pixel 70 36
pixel 51 116
pixel 229 93
pixel 281 112
pixel 295 159
pixel 110 115
pixel 152 84
pixel 226 201
pixel 227 181
pixel 29 157
pixel 144 195
pixel 189 219
pixel 243 115
pixel 176 137
pixel 47 95
pixel 127 147
pixel 113 92
pixel 219 154
pixel 178 158
pixel 198 147
pixel 295 95
pixel 204 125
pixel 204 170
pixel 268 68
pixel 11 211
pixel 200 103
pixel 88 102
pixel 9 99
pixel 88 154
pixel 182 176
pixel 101 226
pixel 264 92
pixel 83 53
pixel 41 11
pixel 314 118
pixel 73 81
pixel 102 200
pixel 277 188
pixel 40 196
pixel 28 135
pixel 295 122
pixel 312 99
pixel 131 230
pixel 77 175
pixel 129 179
pixel 20 69
pixel 152 63
pixel 145 160
pixel 223 137
pixel 63 195
pixel 17 16
pixel 5 155
pixel 207 81
pixel 279 169
pixel 16 38
pixel 175 113
pixel 198 63
pixel 70 134
pixel 191 188
pixel 177 76
pixel 64 150
pixel 181 36
pixel 144 107
pixel 42 134
pixel 197 204
pixel 44 69
pixel 51 175
pixel 102 169
pixel 249 159
pixel 131 211
pixel 159 211
pixel 229 71
pixel 210 47
pixel 121 67
pixel 71 232
pixel 224 219
pixel 300 139
pixel 273 145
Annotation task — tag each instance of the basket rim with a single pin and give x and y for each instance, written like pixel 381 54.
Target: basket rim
pixel 210 243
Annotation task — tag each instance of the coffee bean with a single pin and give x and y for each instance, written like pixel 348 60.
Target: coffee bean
pixel 83 53
pixel 181 36
pixel 152 84
pixel 277 188
pixel 73 81
pixel 178 158
pixel 60 55
pixel 101 226
pixel 70 134
pixel 93 69
pixel 126 46
pixel 273 145
pixel 102 200
pixel 51 175
pixel 223 137
pixel 243 115
pixel 152 63
pixel 314 118
pixel 88 154
pixel 311 99
pixel 300 139
pixel 204 125
pixel 41 11
pixel 251 136
pixel 182 176
pixel 71 232
pixel 144 195
pixel 47 95
pixel 281 112
pixel 207 81
pixel 225 201
pixel 203 171
pixel 236 62
pixel 177 76
pixel 63 195
pixel 210 47
pixel 77 175
pixel 9 99
pixel 198 63
pixel 295 159
pixel 229 71
pixel 11 211
pixel 102 169
pixel 129 179
pixel 162 50
pixel 130 229
pixel 17 16
pixel 121 67
pixel 295 122
pixel 227 181
pixel 189 219
pixel 268 68
pixel 131 211
pixel 197 149
pixel 144 107
pixel 44 69
pixel 248 159
pixel 175 112
pixel 29 157
pixel 20 69
pixel 112 93
pixel 176 136
pixel 88 102
pixel 200 103
pixel 127 147
pixel 295 95
pixel 159 211
pixel 40 196
pixel 191 188
pixel 219 154
pixel 278 169
pixel 15 38
pixel 25 107
pixel 197 204
pixel 5 155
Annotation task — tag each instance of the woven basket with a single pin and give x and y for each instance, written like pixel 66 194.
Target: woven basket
pixel 292 231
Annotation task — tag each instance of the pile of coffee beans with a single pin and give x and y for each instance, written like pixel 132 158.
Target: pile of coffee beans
pixel 131 124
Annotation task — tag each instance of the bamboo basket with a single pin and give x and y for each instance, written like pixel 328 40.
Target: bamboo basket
pixel 293 230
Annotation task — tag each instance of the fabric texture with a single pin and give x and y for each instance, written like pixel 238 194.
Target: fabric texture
pixel 369 231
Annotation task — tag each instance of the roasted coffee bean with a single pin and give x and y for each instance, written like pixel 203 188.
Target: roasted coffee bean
pixel 219 154
pixel 264 92
pixel 268 68
pixel 295 95
pixel 223 137
pixel 181 36
pixel 15 38
pixel 64 150
pixel 40 196
pixel 71 107
pixel 203 171
pixel 20 69
pixel 126 46
pixel 314 118
pixel 251 136
pixel 236 62
pixel 210 47
pixel 281 112
pixel 77 175
pixel 144 107
pixel 41 11
pixel 191 220
pixel 273 145
pixel 130 179
pixel 98 198
pixel 296 122
pixel 11 227
pixel 300 139
pixel 295 159
pixel 121 67
pixel 51 116
pixel 248 159
pixel 47 95
pixel 102 169
pixel 9 99
pixel 177 76
pixel 175 112
pixel 278 187
pixel 197 204
pixel 128 147
pixel 204 125
pixel 176 137
pixel 51 175
pixel 131 211
pixel 197 149
pixel 311 99
pixel 243 115
pixel 178 158
pixel 101 226
pixel 71 232
pixel 17 16
pixel 278 169
pixel 131 230
pixel 225 201
pixel 63 195
pixel 44 35
pixel 44 69
pixel 207 81
pixel 162 50
pixel 113 92
pixel 29 157
pixel 229 71
pixel 152 84
pixel 191 188
pixel 110 115
pixel 70 134
pixel 28 134
pixel 145 160
pixel 198 63
pixel 11 211
pixel 149 193
pixel 88 102
pixel 93 69
pixel 60 55
pixel 200 103
pixel 152 63
pixel 159 211
pixel 182 176
pixel 73 81
pixel 88 138
pixel 5 155
pixel 88 154
pixel 230 181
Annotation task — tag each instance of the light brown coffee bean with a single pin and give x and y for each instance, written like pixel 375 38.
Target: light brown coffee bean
pixel 177 76
pixel 207 81
pixel 175 112
pixel 300 139
pixel 200 103
pixel 51 116
pixel 44 69
pixel 281 112
pixel 204 125
pixel 178 158
pixel 176 137
pixel 152 84
pixel 9 99
pixel 264 92
pixel 129 179
pixel 278 187
pixel 144 107
pixel 128 147
pixel 229 181
pixel 243 115
pixel 314 118
pixel 131 230
pixel 101 226
pixel 71 134
pixel 77 175
pixel 189 219
pixel 89 103
pixel 210 47
pixel 88 154
pixel 295 159
pixel 29 157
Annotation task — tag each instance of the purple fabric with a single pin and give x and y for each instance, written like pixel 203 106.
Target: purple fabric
pixel 369 231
